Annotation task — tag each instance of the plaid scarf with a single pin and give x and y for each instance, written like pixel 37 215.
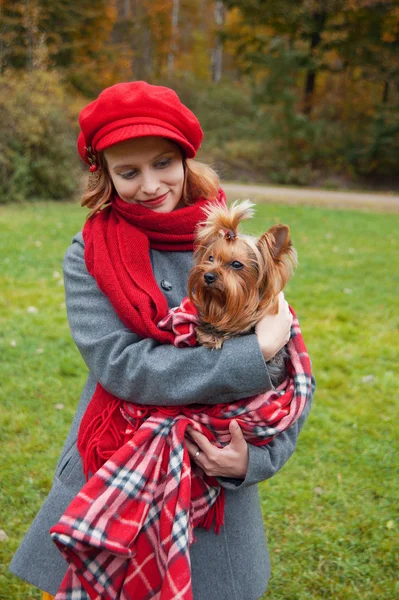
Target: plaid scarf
pixel 128 531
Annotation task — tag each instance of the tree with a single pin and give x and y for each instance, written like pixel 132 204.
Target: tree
pixel 287 30
pixel 75 33
pixel 321 35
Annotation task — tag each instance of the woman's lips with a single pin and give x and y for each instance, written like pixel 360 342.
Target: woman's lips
pixel 155 202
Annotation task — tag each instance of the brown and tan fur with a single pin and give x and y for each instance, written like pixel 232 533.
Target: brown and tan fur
pixel 230 300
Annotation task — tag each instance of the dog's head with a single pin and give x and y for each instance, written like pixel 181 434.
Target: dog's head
pixel 237 277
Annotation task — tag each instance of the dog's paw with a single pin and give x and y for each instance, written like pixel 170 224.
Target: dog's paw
pixel 209 340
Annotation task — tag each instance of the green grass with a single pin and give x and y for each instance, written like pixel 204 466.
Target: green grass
pixel 331 515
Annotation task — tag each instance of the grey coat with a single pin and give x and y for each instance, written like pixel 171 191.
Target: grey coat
pixel 233 565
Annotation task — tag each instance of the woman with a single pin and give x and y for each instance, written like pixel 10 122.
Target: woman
pixel 139 141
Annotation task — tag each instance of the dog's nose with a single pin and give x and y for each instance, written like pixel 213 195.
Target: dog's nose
pixel 210 278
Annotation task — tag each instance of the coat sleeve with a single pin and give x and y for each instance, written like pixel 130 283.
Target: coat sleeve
pixel 144 371
pixel 265 461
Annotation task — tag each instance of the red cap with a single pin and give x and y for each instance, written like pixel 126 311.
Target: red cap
pixel 137 109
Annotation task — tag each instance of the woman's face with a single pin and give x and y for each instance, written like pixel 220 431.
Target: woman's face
pixel 147 171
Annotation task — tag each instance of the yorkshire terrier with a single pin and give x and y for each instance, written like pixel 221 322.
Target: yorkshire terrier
pixel 237 278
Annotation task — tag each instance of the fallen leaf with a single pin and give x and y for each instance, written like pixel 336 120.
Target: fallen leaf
pixel 368 379
pixel 318 491
pixel 32 310
pixel 59 406
pixel 390 524
pixel 13 343
pixel 3 536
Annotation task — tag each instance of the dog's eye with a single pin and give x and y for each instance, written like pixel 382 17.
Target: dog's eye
pixel 236 265
pixel 210 259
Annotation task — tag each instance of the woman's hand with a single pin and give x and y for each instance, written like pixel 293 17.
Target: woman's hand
pixel 230 461
pixel 273 331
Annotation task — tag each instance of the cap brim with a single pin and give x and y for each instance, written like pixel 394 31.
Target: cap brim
pixel 143 130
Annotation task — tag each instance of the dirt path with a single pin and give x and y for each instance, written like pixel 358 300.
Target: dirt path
pixel 381 202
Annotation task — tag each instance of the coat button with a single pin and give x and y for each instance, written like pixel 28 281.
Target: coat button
pixel 165 285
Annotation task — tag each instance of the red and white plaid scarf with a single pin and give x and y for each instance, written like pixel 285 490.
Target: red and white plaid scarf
pixel 127 533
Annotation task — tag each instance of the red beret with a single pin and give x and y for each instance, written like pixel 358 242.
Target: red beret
pixel 137 109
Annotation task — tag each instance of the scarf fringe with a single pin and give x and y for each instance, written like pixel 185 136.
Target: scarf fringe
pixel 102 438
pixel 214 515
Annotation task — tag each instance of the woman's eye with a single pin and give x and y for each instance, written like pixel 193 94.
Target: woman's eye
pixel 128 174
pixel 163 163
pixel 210 259
pixel 236 265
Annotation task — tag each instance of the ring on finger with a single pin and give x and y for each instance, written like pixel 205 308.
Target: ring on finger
pixel 196 455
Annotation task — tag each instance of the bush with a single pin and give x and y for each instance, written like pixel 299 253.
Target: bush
pixel 38 159
pixel 225 110
pixel 372 150
pixel 251 141
pixel 259 135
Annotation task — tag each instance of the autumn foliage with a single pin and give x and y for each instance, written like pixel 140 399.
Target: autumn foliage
pixel 291 91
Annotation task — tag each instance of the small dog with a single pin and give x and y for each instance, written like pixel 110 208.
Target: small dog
pixel 237 278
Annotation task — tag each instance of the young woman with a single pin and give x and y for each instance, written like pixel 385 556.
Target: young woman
pixel 122 273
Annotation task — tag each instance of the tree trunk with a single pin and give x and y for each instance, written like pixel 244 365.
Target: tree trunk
pixel 385 94
pixel 140 38
pixel 126 8
pixel 217 52
pixel 30 24
pixel 319 20
pixel 173 39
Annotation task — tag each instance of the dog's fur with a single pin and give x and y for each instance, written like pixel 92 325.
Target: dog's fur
pixel 237 278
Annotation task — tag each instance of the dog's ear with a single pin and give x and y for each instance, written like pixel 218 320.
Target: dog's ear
pixel 281 240
pixel 276 243
pixel 280 259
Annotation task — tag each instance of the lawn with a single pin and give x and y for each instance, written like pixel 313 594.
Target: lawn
pixel 331 515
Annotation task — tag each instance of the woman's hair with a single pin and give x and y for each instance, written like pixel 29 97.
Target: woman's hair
pixel 200 180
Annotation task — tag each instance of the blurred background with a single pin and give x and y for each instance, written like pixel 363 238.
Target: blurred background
pixel 295 93
pixel 289 92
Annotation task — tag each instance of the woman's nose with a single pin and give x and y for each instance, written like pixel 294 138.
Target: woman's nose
pixel 149 184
